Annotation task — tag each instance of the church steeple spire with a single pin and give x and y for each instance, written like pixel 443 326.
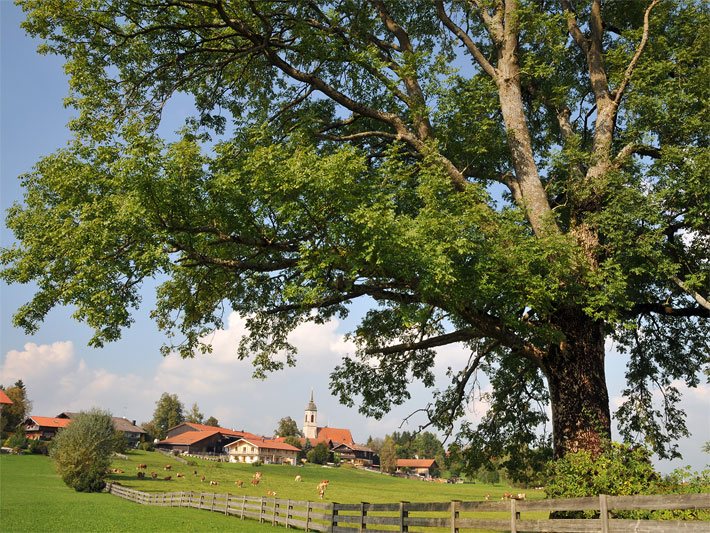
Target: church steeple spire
pixel 310 424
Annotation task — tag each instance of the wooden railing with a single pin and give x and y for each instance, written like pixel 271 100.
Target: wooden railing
pixel 455 516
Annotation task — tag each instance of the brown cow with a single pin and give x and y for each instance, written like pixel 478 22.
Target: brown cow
pixel 214 482
pixel 179 474
pixel 141 475
pixel 168 467
pixel 142 466
pixel 154 475
pixel 322 486
pixel 271 493
pixel 202 478
pixel 168 478
pixel 239 483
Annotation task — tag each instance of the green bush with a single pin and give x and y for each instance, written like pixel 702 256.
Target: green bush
pixel 38 446
pixel 82 451
pixel 618 471
pixel 16 441
pixel 621 470
pixel 146 446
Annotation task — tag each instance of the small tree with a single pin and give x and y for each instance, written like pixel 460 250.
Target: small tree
pixel 195 416
pixel 212 421
pixel 168 413
pixel 388 455
pixel 82 451
pixel 287 428
pixel 14 414
pixel 319 454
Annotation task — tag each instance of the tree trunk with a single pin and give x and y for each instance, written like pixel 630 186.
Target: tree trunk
pixel 574 368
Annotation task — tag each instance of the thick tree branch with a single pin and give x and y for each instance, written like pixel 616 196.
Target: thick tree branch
pixel 635 148
pixel 696 295
pixel 639 50
pixel 431 342
pixel 466 40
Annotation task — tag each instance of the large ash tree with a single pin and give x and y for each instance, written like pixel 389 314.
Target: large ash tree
pixel 524 178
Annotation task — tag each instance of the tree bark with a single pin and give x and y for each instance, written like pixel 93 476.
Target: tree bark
pixel 574 368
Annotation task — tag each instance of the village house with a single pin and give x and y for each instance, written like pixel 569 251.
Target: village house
pixel 269 451
pixel 421 467
pixel 43 427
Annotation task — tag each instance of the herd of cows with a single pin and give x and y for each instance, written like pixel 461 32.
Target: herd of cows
pixel 255 480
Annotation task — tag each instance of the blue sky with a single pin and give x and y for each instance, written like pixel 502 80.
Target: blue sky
pixel 127 377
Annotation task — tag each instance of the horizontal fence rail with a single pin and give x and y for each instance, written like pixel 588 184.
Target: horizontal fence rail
pixel 455 516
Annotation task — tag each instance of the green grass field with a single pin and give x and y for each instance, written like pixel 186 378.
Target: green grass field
pixel 33 499
pixel 347 485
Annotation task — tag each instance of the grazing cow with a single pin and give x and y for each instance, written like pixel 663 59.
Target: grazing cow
pixel 271 493
pixel 202 478
pixel 214 482
pixel 298 479
pixel 506 496
pixel 239 483
pixel 168 478
pixel 488 497
pixel 321 488
pixel 194 472
pixel 154 475
pixel 141 475
pixel 519 496
pixel 179 474
pixel 168 467
pixel 255 481
pixel 142 466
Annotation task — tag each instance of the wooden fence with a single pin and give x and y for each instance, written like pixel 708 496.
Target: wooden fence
pixel 455 516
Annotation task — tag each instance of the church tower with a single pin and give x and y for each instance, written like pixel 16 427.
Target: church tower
pixel 310 424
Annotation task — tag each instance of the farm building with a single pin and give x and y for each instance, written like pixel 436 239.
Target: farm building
pixel 189 437
pixel 355 454
pixel 422 467
pixel 269 451
pixel 43 427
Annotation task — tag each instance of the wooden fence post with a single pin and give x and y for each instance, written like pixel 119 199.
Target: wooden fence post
pixel 455 515
pixel 262 509
pixel 403 515
pixel 604 513
pixel 513 516
pixel 244 502
pixel 333 516
pixel 226 505
pixel 308 515
pixel 273 516
pixel 363 514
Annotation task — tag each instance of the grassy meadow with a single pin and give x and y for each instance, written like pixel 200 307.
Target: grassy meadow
pixel 34 499
pixel 347 485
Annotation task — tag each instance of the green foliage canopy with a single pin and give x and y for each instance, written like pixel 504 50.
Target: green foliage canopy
pixel 526 178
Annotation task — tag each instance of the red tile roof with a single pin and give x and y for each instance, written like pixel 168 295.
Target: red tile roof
pixel 260 442
pixel 337 435
pixel 50 422
pixel 190 437
pixel 4 398
pixel 415 463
